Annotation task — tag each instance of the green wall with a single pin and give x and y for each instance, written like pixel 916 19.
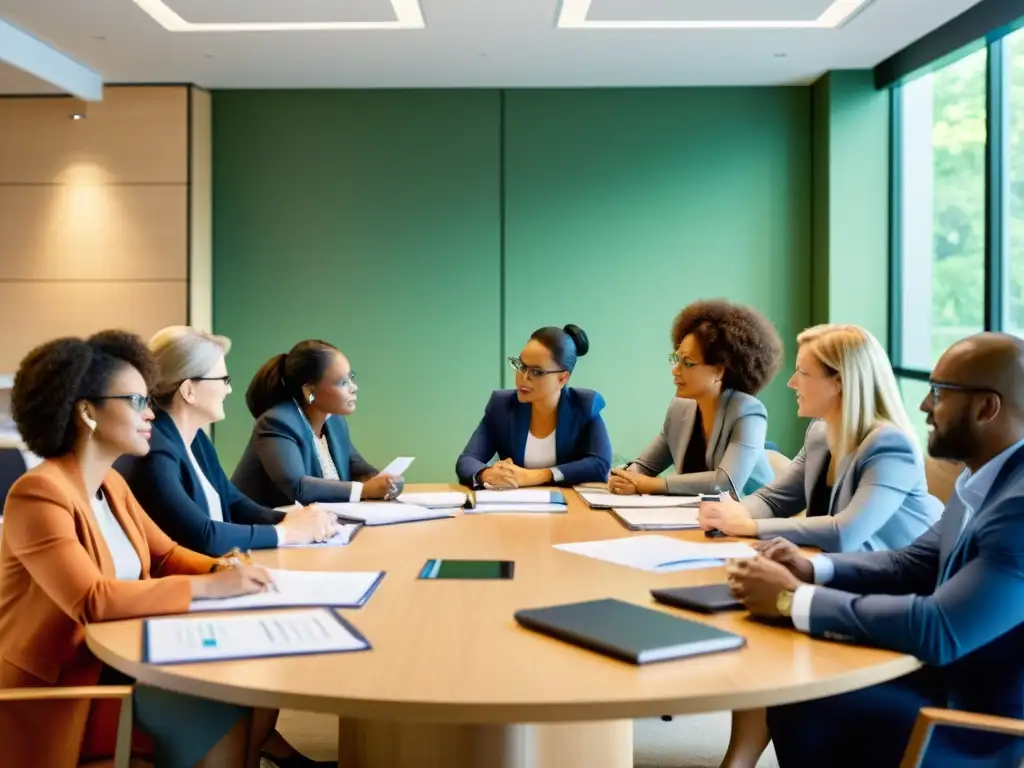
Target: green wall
pixel 850 271
pixel 427 233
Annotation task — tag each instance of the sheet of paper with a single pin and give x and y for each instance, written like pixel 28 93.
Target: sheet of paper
pixel 174 640
pixel 609 500
pixel 345 532
pixel 398 466
pixel 385 512
pixel 338 589
pixel 434 499
pixel 658 553
pixel 520 496
pixel 512 509
pixel 676 518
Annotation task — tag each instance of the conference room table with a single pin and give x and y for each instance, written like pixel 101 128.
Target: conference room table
pixel 452 680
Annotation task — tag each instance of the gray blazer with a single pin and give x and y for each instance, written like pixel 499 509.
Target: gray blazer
pixel 736 445
pixel 879 500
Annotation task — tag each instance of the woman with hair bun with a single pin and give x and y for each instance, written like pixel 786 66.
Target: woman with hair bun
pixel 300 450
pixel 77 549
pixel 543 432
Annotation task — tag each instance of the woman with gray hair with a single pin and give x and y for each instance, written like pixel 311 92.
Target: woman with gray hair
pixel 180 482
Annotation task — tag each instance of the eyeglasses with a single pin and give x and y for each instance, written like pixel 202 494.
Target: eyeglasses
pixel 530 372
pixel 675 359
pixel 225 379
pixel 137 402
pixel 935 387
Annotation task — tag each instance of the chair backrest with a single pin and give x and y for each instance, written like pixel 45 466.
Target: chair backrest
pixel 777 461
pixel 941 476
pixel 12 466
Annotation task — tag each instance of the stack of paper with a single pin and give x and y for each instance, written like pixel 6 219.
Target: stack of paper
pixel 518 500
pixel 335 589
pixel 435 499
pixel 672 519
pixel 598 500
pixel 659 553
pixel 385 512
pixel 179 640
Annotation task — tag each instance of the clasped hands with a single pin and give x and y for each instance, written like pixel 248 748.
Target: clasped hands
pixel 757 582
pixel 625 483
pixel 504 474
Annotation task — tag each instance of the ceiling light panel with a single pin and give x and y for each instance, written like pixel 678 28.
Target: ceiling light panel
pixel 291 16
pixel 707 14
pixel 271 11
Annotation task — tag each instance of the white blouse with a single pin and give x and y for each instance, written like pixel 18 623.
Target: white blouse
pixel 540 452
pixel 127 565
pixel 212 497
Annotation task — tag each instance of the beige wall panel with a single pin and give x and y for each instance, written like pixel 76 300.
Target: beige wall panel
pixel 107 232
pixel 31 313
pixel 135 135
pixel 201 190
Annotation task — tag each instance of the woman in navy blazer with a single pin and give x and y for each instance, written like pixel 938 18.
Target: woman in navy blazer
pixel 182 486
pixel 543 431
pixel 300 450
pixel 180 482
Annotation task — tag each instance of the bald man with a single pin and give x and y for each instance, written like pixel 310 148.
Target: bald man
pixel 954 598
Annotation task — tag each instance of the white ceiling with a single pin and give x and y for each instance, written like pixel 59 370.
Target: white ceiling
pixel 467 43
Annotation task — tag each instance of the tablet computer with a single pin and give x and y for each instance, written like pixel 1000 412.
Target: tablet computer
pixel 467 569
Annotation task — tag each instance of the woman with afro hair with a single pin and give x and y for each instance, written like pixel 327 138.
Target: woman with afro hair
pixel 725 354
pixel 77 548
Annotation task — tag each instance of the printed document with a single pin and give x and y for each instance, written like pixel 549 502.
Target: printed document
pixel 659 554
pixel 175 640
pixel 338 589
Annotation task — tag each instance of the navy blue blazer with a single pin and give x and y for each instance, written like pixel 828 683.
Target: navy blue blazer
pixel 582 448
pixel 280 465
pixel 166 485
pixel 953 600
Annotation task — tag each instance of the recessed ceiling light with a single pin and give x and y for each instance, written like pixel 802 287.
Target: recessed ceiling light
pixel 78 115
pixel 574 13
pixel 408 15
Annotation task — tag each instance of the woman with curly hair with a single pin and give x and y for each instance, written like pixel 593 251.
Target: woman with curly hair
pixel 77 548
pixel 724 355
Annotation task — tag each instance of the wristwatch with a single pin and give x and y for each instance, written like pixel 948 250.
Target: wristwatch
pixel 784 602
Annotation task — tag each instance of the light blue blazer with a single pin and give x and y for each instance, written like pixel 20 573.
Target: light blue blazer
pixel 879 500
pixel 736 445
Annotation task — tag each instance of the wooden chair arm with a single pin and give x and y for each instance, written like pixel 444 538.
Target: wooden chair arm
pixel 123 750
pixel 929 717
pixel 56 692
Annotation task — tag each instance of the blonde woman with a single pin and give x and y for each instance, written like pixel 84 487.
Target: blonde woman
pixel 860 475
pixel 180 482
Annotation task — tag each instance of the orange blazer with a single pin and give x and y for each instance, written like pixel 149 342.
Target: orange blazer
pixel 56 576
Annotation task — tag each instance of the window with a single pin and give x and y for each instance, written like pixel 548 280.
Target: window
pixel 940 210
pixel 913 392
pixel 1013 68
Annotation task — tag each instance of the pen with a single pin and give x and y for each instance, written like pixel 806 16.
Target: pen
pixel 687 560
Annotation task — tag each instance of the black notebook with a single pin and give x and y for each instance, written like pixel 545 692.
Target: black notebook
pixel 707 598
pixel 626 631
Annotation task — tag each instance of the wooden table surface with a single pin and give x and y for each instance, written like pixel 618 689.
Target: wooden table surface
pixel 451 652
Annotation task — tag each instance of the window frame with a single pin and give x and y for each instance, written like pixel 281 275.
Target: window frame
pixel 997 199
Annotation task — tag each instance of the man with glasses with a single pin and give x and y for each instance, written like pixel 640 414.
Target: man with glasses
pixel 954 598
